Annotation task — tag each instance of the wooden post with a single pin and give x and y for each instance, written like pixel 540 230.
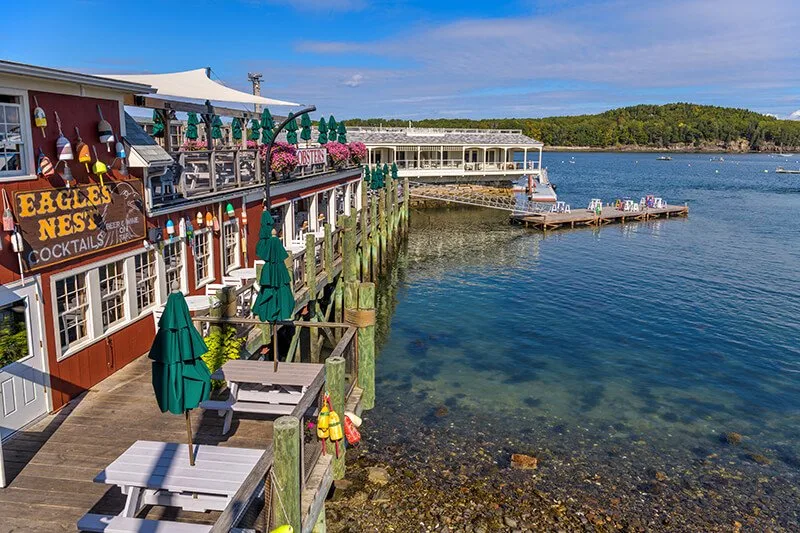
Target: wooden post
pixel 366 347
pixel 390 217
pixel 382 224
pixel 350 258
pixel 321 526
pixel 373 237
pixel 406 204
pixel 286 468
pixel 396 206
pixel 335 383
pixel 338 307
pixel 365 245
pixel 311 284
pixel 328 253
pixel 289 266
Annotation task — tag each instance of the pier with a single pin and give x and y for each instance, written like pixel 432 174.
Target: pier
pixel 546 221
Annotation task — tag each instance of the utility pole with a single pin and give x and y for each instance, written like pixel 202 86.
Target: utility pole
pixel 255 79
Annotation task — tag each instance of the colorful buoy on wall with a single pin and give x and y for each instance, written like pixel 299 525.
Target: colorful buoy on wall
pixel 199 219
pixel 170 227
pixel 229 209
pixel 46 169
pixel 39 118
pixel 209 220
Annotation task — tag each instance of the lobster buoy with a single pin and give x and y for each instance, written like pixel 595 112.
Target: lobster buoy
pixel 335 432
pixel 286 528
pixel 99 168
pixel 67 176
pixel 209 220
pixel 104 131
pixel 322 425
pixel 351 432
pixel 189 229
pixel 84 156
pixel 354 418
pixel 39 118
pixel 216 223
pixel 45 165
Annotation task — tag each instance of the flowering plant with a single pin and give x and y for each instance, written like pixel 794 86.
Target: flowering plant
pixel 252 144
pixel 358 152
pixel 283 157
pixel 339 153
pixel 193 146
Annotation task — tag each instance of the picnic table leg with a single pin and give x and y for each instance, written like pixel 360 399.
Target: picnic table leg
pixel 132 502
pixel 226 425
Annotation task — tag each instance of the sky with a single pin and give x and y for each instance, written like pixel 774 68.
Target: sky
pixel 414 59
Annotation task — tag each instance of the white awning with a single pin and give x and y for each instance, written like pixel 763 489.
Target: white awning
pixel 196 85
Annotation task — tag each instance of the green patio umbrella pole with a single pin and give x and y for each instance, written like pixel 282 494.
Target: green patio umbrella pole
pixel 181 380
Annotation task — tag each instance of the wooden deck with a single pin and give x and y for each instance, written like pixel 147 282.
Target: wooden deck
pixel 584 217
pixel 53 463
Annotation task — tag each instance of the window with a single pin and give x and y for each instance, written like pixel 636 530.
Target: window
pixel 173 265
pixel 112 293
pixel 71 304
pixel 12 137
pixel 203 272
pixel 14 333
pixel 145 269
pixel 231 244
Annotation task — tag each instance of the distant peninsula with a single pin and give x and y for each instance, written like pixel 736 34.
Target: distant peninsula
pixel 682 127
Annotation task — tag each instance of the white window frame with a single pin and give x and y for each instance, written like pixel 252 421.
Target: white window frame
pixel 156 292
pixel 87 318
pixel 94 319
pixel 28 171
pixel 162 268
pixel 117 293
pixel 206 234
pixel 237 243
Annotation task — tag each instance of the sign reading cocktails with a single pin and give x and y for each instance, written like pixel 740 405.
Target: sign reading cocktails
pixel 62 224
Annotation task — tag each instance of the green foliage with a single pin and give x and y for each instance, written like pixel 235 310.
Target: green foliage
pixel 13 338
pixel 655 126
pixel 223 345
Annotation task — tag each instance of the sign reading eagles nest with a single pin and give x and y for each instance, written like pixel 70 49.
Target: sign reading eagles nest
pixel 62 224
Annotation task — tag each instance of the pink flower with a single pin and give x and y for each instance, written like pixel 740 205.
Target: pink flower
pixel 358 152
pixel 338 152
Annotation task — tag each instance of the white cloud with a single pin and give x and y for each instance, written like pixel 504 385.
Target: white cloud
pixel 794 115
pixel 355 80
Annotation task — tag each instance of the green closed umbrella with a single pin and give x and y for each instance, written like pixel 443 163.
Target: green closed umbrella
pixel 275 299
pixel 323 131
pixel 394 170
pixel 367 175
pixel 267 125
pixel 236 129
pixel 216 128
pixel 377 178
pixel 191 126
pixel 305 124
pixel 385 170
pixel 158 124
pixel 342 131
pixel 291 130
pixel 254 130
pixel 332 129
pixel 181 380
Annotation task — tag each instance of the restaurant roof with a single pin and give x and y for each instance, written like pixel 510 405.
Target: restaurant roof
pixel 439 136
pixel 33 71
pixel 144 146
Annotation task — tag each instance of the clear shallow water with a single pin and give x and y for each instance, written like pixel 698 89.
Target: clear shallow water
pixel 669 332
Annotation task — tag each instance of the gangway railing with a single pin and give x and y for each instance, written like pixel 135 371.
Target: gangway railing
pixel 516 203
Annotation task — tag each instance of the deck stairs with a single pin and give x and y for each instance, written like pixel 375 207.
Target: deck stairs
pixel 517 204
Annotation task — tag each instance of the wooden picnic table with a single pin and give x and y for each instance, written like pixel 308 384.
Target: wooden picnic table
pixel 158 473
pixel 255 387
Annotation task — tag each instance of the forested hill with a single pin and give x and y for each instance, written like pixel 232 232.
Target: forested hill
pixel 672 126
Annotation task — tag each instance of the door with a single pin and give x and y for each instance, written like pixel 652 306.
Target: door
pixel 23 370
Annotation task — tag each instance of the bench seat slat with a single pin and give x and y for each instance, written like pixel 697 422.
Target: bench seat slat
pixel 120 524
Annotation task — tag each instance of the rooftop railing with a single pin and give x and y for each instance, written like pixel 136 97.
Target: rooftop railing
pixel 423 131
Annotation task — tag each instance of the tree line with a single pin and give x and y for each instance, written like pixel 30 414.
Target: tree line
pixel 653 126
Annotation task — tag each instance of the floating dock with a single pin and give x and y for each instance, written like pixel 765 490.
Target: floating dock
pixel 583 217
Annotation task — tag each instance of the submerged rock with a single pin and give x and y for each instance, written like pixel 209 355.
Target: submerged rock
pixel 524 462
pixel 733 438
pixel 377 475
pixel 759 458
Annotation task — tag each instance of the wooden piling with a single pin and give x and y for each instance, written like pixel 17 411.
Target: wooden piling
pixel 327 253
pixel 365 243
pixel 335 383
pixel 350 259
pixel 286 469
pixel 406 205
pixel 366 347
pixel 382 227
pixel 338 307
pixel 373 238
pixel 311 285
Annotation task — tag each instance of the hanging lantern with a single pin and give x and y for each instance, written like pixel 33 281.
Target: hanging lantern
pixel 229 209
pixel 170 227
pixel 182 228
pixel 67 176
pixel 209 220
pixel 39 118
pixel 216 223
pixel 199 219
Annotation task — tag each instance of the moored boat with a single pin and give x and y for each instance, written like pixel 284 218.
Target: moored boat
pixel 664 158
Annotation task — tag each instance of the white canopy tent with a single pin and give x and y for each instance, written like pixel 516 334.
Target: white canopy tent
pixel 196 85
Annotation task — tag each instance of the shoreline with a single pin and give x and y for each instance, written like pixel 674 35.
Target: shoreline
pixel 656 150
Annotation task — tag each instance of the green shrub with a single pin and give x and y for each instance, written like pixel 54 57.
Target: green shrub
pixel 223 345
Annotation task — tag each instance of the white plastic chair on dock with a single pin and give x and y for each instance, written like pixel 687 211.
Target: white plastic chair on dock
pixel 660 203
pixel 567 208
pixel 628 205
pixel 594 203
pixel 635 208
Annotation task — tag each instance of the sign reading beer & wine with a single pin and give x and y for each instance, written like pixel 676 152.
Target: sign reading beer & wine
pixel 58 225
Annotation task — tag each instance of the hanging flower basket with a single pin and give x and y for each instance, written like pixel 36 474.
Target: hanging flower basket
pixel 338 153
pixel 358 152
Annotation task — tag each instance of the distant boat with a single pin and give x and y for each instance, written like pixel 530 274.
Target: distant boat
pixel 781 170
pixel 785 155
pixel 664 158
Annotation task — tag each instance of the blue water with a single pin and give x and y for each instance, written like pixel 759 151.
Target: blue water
pixel 669 332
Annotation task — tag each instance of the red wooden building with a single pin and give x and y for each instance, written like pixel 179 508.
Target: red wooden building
pixel 96 259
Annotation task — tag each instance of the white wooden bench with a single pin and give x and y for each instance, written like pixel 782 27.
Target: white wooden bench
pixel 121 524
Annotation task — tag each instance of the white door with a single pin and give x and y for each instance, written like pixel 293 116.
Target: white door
pixel 23 370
